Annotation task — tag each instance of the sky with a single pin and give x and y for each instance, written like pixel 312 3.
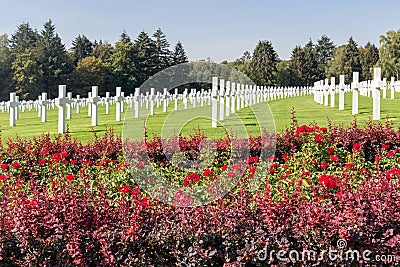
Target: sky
pixel 219 29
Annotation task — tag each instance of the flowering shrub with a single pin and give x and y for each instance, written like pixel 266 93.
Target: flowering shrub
pixel 63 203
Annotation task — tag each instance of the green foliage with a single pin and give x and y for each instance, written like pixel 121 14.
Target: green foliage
pixel 389 54
pixel 352 62
pixel 6 83
pixel 335 66
pixel 23 39
pixel 178 54
pixel 304 65
pixel 284 75
pixel 52 59
pixel 263 68
pixel 81 47
pixel 27 77
pixel 324 50
pixel 369 56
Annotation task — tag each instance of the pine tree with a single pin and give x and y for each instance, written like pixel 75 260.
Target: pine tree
pixel 324 52
pixel 81 47
pixel 162 49
pixel 53 59
pixel 179 54
pixel 263 64
pixel 369 56
pixel 146 57
pixel 6 82
pixel 123 64
pixel 23 39
pixel 352 63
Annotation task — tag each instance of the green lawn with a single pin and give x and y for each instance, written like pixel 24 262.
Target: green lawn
pixel 29 124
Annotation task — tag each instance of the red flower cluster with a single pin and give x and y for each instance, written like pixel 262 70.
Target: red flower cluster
pixel 328 181
pixel 303 128
pixel 252 160
pixel 207 172
pixel 190 179
pixel 393 171
pixel 318 138
pixel 356 147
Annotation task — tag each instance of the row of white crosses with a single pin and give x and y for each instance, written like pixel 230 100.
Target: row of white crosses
pixel 365 88
pixel 231 97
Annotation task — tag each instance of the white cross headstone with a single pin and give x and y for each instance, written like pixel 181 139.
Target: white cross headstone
pixel 377 85
pixel 238 99
pixel 78 104
pixel 107 100
pixel 341 92
pixel 61 103
pixel 43 107
pixel 165 100
pixel 233 87
pixel 89 105
pixel 152 98
pixel 325 93
pixel 118 102
pixel 136 101
pixel 221 99
pixel 384 87
pixel 228 99
pixel 355 85
pixel 392 88
pixel 185 99
pixel 69 106
pixel 13 105
pixel 38 106
pixel 93 102
pixel 176 99
pixel 214 103
pixel 332 91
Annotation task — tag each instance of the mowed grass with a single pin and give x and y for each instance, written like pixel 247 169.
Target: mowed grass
pixel 186 121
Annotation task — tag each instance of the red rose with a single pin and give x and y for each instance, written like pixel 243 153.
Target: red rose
pixel 318 138
pixel 4 166
pixel 356 147
pixel 70 177
pixel 16 165
pixel 334 158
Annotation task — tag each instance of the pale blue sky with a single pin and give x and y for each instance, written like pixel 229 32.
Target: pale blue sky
pixel 216 29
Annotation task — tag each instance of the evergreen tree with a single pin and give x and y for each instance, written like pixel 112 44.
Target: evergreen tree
pixel 296 65
pixel 369 56
pixel 81 47
pixel 23 39
pixel 146 57
pixel 6 84
pixel 179 54
pixel 53 59
pixel 263 64
pixel 324 52
pixel 284 75
pixel 102 50
pixel 122 62
pixel 352 63
pixel 310 66
pixel 162 49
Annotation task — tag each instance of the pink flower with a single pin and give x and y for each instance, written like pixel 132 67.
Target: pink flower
pixel 231 174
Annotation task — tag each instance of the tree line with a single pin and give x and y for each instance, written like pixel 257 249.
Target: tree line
pixel 320 60
pixel 33 62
